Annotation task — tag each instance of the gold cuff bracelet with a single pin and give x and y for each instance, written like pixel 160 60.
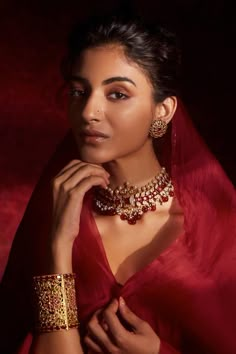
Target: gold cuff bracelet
pixel 55 302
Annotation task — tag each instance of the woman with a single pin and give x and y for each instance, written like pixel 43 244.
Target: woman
pixel 154 258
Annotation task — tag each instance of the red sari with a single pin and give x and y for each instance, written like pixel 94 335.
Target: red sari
pixel 187 294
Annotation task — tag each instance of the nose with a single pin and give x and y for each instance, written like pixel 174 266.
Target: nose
pixel 92 109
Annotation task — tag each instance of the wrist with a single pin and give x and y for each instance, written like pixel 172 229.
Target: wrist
pixel 55 302
pixel 60 258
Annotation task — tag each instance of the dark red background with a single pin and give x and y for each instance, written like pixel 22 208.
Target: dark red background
pixel 33 116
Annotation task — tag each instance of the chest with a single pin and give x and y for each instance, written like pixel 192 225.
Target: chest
pixel 129 248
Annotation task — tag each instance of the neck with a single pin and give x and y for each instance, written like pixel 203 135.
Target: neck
pixel 137 168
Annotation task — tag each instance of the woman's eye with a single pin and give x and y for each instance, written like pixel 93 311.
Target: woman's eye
pixel 117 96
pixel 76 93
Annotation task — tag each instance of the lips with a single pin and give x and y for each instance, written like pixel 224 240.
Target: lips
pixel 93 136
pixel 94 133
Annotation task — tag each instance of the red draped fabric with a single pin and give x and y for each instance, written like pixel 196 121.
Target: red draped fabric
pixel 187 294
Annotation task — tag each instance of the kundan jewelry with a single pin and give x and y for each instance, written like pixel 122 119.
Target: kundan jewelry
pixel 158 128
pixel 131 202
pixel 55 302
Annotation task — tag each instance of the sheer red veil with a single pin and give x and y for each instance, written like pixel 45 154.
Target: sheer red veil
pixel 209 204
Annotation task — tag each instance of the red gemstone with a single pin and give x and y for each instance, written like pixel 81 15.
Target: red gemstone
pixel 132 221
pixel 171 193
pixel 153 207
pixel 123 217
pixel 164 198
pixel 144 209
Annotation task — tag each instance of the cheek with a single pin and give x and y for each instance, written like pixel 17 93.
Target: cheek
pixel 132 120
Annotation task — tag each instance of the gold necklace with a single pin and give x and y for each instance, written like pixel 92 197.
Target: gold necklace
pixel 131 202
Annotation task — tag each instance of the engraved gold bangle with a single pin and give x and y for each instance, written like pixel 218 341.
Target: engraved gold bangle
pixel 55 302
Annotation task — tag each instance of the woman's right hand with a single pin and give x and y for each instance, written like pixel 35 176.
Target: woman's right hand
pixel 69 188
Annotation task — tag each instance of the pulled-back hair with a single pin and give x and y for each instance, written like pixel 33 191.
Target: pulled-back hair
pixel 153 48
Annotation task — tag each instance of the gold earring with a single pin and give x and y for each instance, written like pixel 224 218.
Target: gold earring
pixel 158 128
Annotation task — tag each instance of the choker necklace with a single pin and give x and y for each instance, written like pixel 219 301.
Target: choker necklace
pixel 131 202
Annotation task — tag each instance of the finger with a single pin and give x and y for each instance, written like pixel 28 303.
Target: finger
pixel 104 325
pixel 85 185
pixel 69 165
pixel 92 345
pixel 73 201
pixel 99 315
pixel 81 170
pixel 71 179
pixel 136 322
pixel 99 336
pixel 71 204
pixel 77 164
pixel 116 329
pixel 64 174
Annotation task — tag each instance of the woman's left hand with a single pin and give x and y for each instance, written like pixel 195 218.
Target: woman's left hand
pixel 107 334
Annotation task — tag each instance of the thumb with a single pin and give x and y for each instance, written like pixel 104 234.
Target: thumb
pixel 129 316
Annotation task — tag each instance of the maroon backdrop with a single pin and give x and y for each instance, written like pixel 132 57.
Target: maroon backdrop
pixel 33 117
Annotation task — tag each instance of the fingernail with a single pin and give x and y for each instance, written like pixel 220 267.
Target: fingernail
pixel 104 325
pixel 121 301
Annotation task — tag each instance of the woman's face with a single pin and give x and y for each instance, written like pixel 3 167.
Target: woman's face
pixel 111 105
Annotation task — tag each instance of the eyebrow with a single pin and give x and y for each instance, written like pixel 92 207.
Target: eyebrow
pixel 118 78
pixel 104 82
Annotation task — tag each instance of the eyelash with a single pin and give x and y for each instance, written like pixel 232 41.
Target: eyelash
pixel 80 93
pixel 119 95
pixel 76 93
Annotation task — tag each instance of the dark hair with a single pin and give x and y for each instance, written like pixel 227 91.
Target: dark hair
pixel 153 48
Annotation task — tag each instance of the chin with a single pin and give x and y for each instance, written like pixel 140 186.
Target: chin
pixel 94 158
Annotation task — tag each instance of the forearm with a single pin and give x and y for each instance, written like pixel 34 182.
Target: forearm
pixel 61 341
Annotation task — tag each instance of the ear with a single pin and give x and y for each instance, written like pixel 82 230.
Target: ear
pixel 165 110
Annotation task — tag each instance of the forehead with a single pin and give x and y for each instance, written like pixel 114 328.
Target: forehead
pixel 108 61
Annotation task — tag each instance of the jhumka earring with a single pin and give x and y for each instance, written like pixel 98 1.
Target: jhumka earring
pixel 158 128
